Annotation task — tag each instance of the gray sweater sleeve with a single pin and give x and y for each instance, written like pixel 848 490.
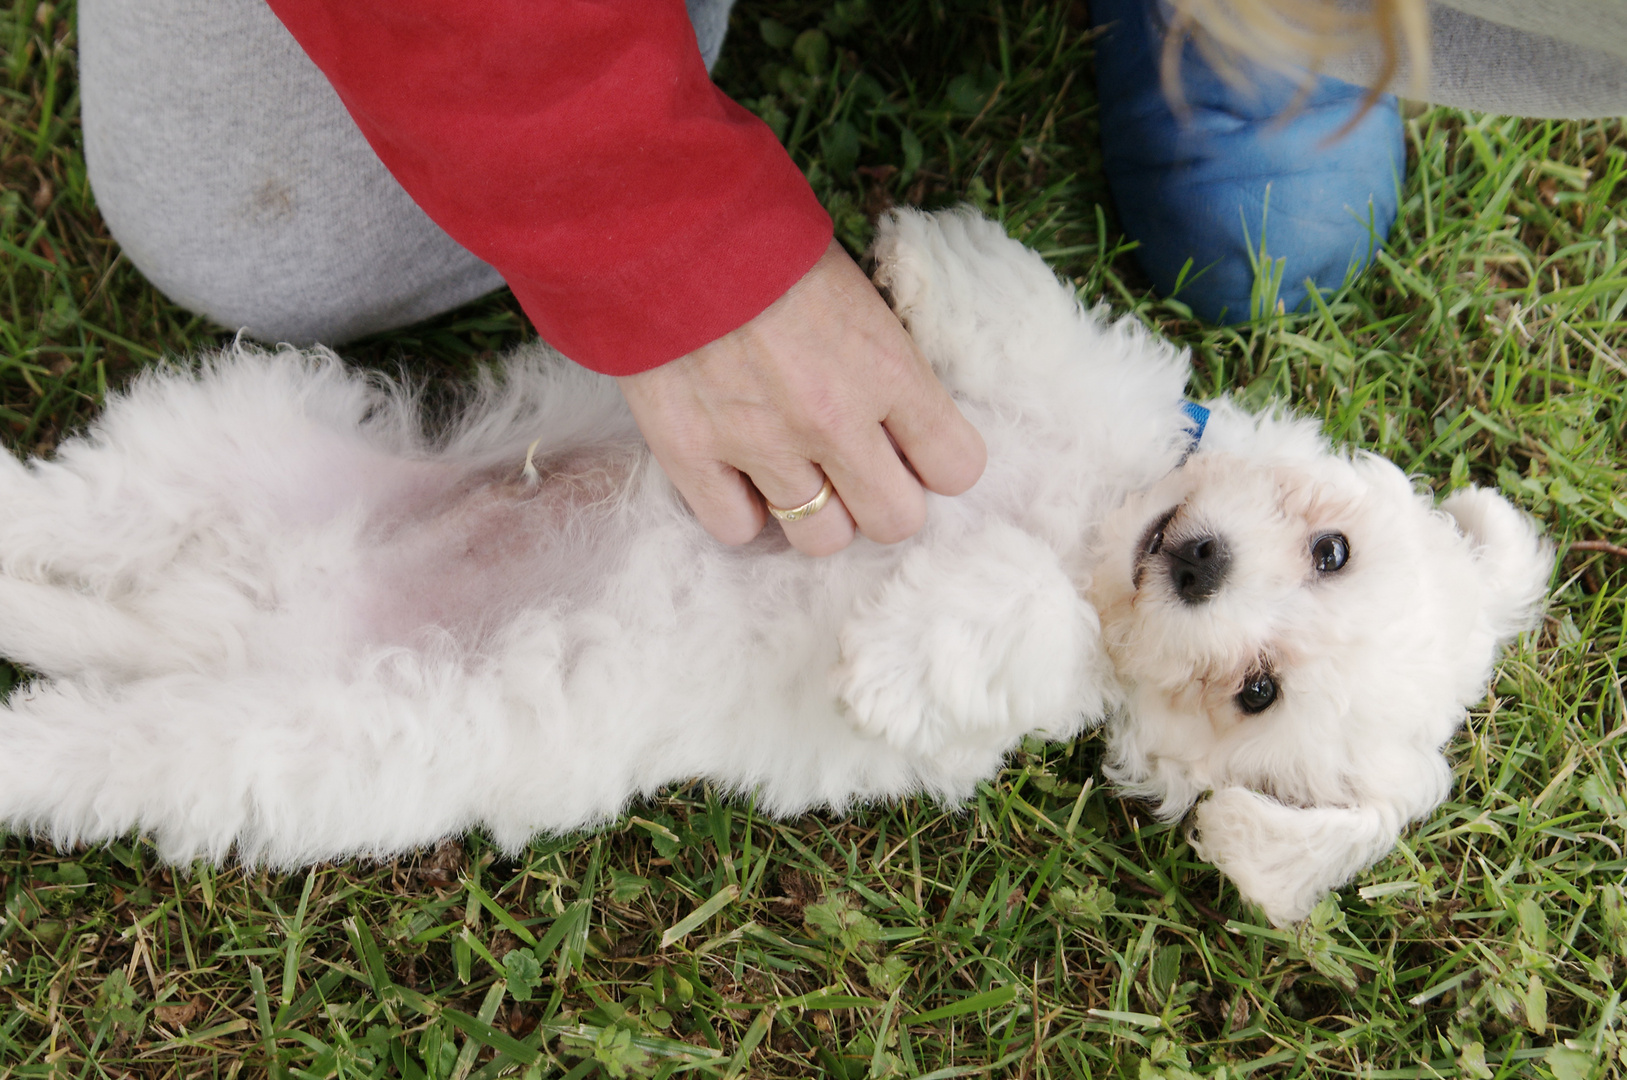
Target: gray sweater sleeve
pixel 1541 58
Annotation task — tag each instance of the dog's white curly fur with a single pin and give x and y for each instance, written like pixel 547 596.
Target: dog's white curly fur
pixel 270 612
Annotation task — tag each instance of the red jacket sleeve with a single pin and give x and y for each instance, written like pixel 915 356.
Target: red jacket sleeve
pixel 580 148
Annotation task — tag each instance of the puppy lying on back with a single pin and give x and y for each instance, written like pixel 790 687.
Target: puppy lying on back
pixel 269 611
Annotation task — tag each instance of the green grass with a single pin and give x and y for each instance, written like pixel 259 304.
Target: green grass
pixel 1046 929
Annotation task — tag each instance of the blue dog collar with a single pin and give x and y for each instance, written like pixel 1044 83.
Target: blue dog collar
pixel 1199 419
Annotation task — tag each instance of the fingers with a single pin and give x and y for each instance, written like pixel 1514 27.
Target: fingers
pixel 942 446
pixel 724 502
pixel 824 532
pixel 882 496
pixel 947 453
pixel 825 382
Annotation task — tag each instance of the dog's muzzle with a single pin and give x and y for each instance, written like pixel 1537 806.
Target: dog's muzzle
pixel 1197 567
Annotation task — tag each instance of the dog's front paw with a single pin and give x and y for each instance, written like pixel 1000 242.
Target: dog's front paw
pixel 984 310
pixel 984 639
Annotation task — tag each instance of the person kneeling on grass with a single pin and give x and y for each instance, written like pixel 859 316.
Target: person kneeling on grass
pixel 313 170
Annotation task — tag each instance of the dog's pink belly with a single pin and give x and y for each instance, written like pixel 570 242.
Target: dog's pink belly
pixel 462 562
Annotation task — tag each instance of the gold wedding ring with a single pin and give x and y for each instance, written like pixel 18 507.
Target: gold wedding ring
pixel 807 509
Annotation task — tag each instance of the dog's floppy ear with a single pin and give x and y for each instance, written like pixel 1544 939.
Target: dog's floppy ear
pixel 1286 858
pixel 1514 560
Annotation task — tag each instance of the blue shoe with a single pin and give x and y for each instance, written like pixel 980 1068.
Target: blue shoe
pixel 1215 187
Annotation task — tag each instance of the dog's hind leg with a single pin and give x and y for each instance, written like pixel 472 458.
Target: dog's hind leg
pixel 77 594
pixel 59 631
pixel 154 540
pixel 290 770
pixel 262 441
pixel 48 624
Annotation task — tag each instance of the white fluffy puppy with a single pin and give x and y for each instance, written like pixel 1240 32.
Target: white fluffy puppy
pixel 268 610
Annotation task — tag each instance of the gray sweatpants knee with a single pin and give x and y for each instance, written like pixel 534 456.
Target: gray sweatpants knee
pixel 232 176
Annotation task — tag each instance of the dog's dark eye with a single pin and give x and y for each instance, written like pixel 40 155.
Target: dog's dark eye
pixel 1330 553
pixel 1153 541
pixel 1258 693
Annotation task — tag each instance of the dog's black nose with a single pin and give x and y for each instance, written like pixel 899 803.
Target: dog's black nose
pixel 1197 567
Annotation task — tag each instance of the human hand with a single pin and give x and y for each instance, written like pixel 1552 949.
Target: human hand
pixel 824 379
